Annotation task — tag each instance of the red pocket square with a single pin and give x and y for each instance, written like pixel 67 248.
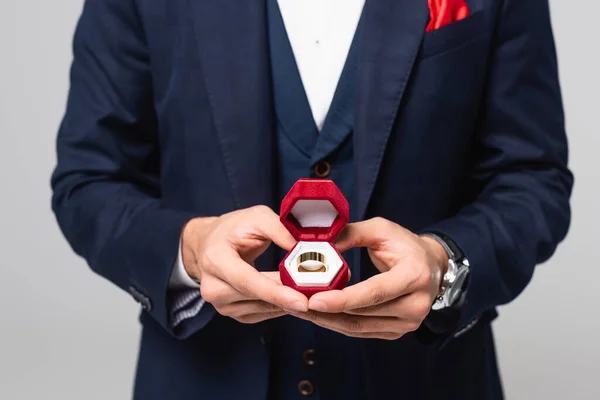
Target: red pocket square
pixel 444 12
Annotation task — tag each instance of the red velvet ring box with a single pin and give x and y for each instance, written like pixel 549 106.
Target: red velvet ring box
pixel 314 211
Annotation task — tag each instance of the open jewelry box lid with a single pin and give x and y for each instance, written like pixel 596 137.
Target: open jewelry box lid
pixel 314 210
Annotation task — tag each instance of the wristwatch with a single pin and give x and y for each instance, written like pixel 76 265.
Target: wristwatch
pixel 454 282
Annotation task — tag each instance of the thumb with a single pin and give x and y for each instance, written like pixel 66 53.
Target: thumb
pixel 271 228
pixel 361 234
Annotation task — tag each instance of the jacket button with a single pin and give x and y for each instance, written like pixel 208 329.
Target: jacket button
pixel 307 356
pixel 146 304
pixel 322 169
pixel 305 388
pixel 135 294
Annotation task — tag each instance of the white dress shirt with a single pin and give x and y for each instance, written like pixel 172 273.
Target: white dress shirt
pixel 320 33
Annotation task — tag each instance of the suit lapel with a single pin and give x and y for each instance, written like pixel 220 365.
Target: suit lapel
pixel 389 44
pixel 233 45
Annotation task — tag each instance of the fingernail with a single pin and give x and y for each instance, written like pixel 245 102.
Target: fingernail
pixel 318 305
pixel 299 306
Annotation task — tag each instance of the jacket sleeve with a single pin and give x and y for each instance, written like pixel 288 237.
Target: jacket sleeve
pixel 106 185
pixel 520 209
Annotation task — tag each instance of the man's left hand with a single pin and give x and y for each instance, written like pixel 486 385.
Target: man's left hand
pixel 391 303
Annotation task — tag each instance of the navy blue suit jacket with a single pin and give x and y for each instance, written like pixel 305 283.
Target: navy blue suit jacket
pixel 458 130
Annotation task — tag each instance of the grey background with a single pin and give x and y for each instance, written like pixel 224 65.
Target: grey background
pixel 67 334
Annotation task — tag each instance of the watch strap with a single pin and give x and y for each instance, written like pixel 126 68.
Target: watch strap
pixel 454 252
pixel 456 264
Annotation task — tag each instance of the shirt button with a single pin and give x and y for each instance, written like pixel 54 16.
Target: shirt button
pixel 322 169
pixel 305 388
pixel 308 357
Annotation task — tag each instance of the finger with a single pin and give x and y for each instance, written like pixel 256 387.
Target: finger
pixel 376 290
pixel 352 323
pixel 388 309
pixel 409 307
pixel 218 292
pixel 401 331
pixel 274 275
pixel 253 284
pixel 256 318
pixel 270 227
pixel 370 335
pixel 247 307
pixel 362 234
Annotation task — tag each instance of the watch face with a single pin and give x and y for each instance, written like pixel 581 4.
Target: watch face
pixel 458 286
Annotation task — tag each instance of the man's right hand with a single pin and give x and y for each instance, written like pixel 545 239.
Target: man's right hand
pixel 220 253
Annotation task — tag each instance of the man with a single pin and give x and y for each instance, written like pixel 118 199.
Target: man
pixel 441 121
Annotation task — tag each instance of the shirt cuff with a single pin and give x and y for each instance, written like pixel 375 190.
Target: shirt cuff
pixel 179 277
pixel 185 304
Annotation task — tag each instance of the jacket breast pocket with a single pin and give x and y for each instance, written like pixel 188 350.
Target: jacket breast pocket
pixel 454 35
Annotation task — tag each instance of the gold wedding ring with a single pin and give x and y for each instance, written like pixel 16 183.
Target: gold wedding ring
pixel 312 261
